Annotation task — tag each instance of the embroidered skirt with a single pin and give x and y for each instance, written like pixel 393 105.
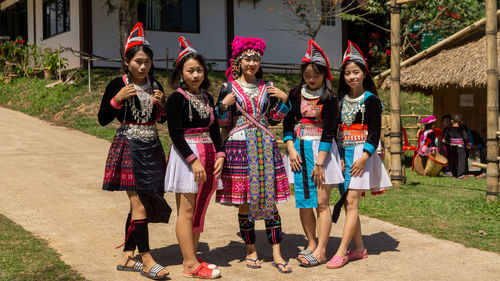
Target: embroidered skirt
pixel 305 189
pixel 253 173
pixel 374 176
pixel 134 165
pixel 179 177
pixel 138 164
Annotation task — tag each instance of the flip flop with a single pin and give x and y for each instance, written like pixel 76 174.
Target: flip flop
pixel 312 261
pixel 253 266
pixel 153 273
pixel 304 252
pixel 279 269
pixel 137 267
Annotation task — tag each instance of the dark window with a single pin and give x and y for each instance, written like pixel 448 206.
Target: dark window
pixel 170 15
pixel 328 10
pixel 55 17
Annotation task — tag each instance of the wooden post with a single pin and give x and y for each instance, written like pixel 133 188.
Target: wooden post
pixel 492 102
pixel 59 61
pixel 395 135
pixel 166 59
pixel 88 68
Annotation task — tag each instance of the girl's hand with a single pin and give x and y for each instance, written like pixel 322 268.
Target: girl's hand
pixel 158 97
pixel 295 160
pixel 359 165
pixel 125 93
pixel 342 165
pixel 229 100
pixel 277 93
pixel 318 175
pixel 219 163
pixel 200 176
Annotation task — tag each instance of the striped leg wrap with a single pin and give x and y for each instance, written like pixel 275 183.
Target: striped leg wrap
pixel 247 230
pixel 273 229
pixel 130 244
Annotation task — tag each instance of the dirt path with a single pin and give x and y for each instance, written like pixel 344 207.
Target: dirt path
pixel 51 185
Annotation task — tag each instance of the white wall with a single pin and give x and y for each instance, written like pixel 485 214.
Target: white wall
pixel 265 21
pixel 268 21
pixel 211 41
pixel 70 38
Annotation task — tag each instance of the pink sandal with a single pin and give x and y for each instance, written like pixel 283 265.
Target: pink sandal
pixel 353 255
pixel 337 262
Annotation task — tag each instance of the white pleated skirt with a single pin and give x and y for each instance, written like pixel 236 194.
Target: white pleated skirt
pixel 374 176
pixel 179 177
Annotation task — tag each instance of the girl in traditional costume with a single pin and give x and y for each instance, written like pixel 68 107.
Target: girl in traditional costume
pixel 359 135
pixel 254 177
pixel 428 141
pixel 136 162
pixel 312 159
pixel 196 156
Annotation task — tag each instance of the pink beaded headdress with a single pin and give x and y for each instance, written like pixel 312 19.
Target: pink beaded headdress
pixel 315 54
pixel 428 120
pixel 242 46
pixel 137 37
pixel 185 49
pixel 354 53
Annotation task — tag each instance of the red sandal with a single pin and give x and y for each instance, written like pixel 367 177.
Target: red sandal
pixel 203 272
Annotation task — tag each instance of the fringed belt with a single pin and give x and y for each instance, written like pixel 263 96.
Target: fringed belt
pixel 352 135
pixel 308 130
pixel 143 132
pixel 197 135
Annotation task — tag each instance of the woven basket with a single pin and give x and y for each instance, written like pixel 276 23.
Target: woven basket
pixel 419 164
pixel 435 164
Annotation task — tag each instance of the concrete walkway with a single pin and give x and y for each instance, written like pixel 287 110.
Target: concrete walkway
pixel 51 185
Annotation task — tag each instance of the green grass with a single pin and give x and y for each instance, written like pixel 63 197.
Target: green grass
pixel 443 207
pixel 26 257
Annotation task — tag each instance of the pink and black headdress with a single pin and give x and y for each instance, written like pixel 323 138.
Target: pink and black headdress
pixel 185 49
pixel 316 55
pixel 137 37
pixel 428 120
pixel 354 53
pixel 244 46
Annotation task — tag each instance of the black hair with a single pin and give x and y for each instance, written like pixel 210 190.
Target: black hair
pixel 175 78
pixel 428 126
pixel 258 75
pixel 130 53
pixel 318 69
pixel 457 118
pixel 368 83
pixel 446 116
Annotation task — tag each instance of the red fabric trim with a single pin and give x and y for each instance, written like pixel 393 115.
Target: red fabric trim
pixel 191 157
pixel 114 104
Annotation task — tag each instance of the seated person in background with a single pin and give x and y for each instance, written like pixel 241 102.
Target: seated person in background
pixel 428 142
pixel 456 140
pixel 476 149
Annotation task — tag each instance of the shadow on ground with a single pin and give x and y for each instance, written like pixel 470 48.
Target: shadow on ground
pixel 292 243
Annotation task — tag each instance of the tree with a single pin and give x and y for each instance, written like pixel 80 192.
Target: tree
pixel 127 18
pixel 307 17
pixel 422 24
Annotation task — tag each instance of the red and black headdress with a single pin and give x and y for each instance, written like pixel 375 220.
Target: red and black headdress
pixel 137 37
pixel 185 49
pixel 316 55
pixel 354 53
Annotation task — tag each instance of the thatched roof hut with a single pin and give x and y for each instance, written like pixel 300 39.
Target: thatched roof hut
pixel 454 72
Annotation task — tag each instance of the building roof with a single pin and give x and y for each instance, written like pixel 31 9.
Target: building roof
pixel 458 61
